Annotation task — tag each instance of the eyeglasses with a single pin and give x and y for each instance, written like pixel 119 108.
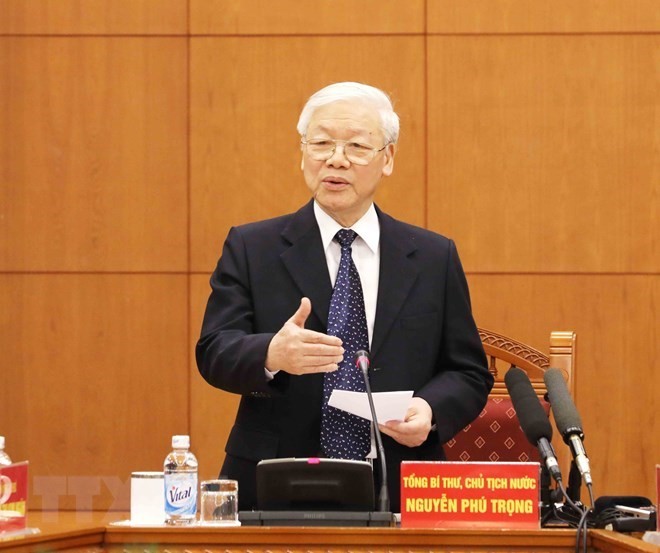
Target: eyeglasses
pixel 322 149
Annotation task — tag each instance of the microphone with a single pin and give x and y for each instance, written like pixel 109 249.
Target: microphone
pixel 362 362
pixel 532 417
pixel 568 420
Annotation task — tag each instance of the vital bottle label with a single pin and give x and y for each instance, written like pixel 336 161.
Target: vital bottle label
pixel 181 494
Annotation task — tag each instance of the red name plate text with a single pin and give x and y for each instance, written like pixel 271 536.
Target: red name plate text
pixel 443 494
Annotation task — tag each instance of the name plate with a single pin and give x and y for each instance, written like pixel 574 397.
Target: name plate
pixel 13 496
pixel 445 494
pixel 657 495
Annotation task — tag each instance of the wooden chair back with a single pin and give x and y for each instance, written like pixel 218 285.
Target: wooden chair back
pixel 496 434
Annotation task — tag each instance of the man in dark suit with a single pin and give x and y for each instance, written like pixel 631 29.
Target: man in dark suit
pixel 265 333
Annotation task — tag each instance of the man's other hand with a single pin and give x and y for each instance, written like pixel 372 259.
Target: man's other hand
pixel 298 351
pixel 415 428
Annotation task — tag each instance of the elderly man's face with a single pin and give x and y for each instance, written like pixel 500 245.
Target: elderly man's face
pixel 343 189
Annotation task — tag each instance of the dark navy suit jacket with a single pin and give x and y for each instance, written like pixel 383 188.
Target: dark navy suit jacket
pixel 424 339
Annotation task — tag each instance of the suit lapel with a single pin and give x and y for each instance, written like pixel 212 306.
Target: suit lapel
pixel 398 272
pixel 305 261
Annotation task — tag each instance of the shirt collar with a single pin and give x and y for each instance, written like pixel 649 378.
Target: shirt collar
pixel 367 227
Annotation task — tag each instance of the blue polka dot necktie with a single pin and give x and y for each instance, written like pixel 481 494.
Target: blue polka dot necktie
pixel 344 435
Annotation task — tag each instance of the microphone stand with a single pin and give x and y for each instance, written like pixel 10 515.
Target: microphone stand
pixel 383 496
pixel 574 483
pixel 546 493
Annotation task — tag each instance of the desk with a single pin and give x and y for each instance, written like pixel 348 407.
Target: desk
pixel 82 532
pixel 72 534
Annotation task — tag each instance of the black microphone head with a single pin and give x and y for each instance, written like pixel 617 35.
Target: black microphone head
pixel 566 415
pixel 533 420
pixel 362 356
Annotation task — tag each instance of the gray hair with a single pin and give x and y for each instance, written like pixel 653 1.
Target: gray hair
pixel 338 92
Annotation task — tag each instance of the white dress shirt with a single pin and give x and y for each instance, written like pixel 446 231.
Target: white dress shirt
pixel 365 251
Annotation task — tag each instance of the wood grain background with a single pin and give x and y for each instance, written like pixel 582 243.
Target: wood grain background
pixel 135 133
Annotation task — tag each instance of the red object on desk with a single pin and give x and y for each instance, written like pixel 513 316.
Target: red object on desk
pixel 657 494
pixel 13 496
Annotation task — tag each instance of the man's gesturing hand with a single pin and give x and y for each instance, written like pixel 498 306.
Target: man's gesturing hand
pixel 298 351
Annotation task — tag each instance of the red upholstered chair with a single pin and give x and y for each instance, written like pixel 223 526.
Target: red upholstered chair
pixel 495 435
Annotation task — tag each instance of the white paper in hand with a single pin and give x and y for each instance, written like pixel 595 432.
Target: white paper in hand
pixel 390 406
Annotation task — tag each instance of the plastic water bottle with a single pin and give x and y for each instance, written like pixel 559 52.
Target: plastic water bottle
pixel 4 458
pixel 180 475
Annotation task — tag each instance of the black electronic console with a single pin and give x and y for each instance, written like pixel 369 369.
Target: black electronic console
pixel 316 518
pixel 315 492
pixel 624 513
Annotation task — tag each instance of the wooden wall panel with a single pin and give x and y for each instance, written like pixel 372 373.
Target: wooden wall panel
pixel 73 17
pixel 212 410
pixel 617 320
pixel 543 151
pixel 95 372
pixel 543 165
pixel 229 17
pixel 246 96
pixel 530 16
pixel 93 157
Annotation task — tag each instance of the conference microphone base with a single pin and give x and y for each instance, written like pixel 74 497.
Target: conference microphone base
pixel 316 518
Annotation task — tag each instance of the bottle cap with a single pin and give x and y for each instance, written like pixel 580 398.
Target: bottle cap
pixel 181 442
pixel 2 442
